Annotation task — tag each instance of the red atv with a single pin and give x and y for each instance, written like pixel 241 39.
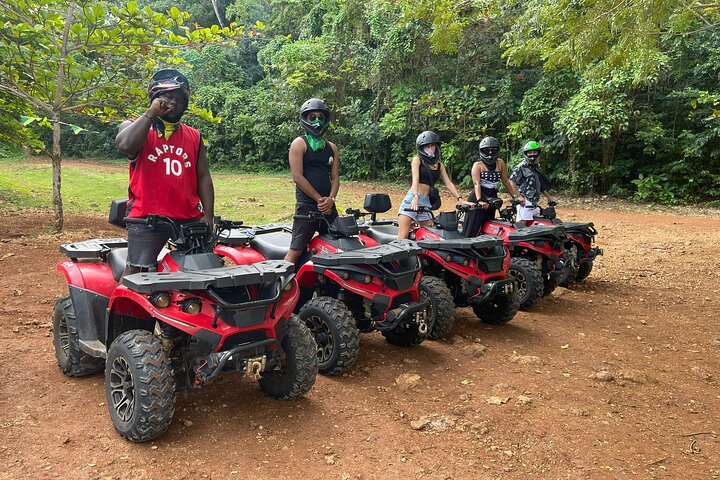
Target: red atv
pixel 474 269
pixel 537 253
pixel 346 288
pixel 184 325
pixel 582 237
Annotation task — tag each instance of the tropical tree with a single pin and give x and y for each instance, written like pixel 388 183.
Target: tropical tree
pixel 64 57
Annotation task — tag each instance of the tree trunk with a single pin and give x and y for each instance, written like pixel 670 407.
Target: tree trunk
pixel 217 13
pixel 57 109
pixel 607 161
pixel 572 169
pixel 56 158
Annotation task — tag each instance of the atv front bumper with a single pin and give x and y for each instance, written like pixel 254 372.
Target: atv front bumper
pixel 486 291
pixel 414 312
pixel 592 253
pixel 237 360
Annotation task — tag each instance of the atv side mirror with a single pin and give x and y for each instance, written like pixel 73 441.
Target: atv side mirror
pixel 118 209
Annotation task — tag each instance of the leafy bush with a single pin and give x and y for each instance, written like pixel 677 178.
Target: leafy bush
pixel 653 188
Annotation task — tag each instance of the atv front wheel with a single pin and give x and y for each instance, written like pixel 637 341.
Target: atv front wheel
pixel 296 376
pixel 571 268
pixel 528 281
pixel 499 310
pixel 584 270
pixel 335 332
pixel 72 361
pixel 441 313
pixel 139 386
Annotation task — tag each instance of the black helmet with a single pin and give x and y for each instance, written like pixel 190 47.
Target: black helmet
pixel 529 147
pixel 167 81
pixel 426 138
pixel 489 150
pixel 314 105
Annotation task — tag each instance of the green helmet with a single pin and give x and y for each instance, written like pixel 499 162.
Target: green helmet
pixel 531 146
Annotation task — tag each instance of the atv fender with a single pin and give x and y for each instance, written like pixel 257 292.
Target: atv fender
pixel 95 277
pixel 368 241
pixel 128 303
pixel 240 256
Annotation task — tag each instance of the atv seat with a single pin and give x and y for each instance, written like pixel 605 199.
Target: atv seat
pixel 272 245
pixel 117 259
pixel 383 233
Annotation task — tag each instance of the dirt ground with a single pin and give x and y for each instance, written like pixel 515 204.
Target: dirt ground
pixel 616 377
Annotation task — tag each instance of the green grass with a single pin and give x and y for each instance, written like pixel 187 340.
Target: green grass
pixel 28 184
pixel 90 187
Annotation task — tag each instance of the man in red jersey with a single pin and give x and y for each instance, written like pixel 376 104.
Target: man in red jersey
pixel 169 173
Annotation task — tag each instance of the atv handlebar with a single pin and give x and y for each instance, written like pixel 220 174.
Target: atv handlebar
pixel 190 237
pixel 313 217
pixel 420 209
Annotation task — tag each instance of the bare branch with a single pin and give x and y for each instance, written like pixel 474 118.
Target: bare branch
pixel 20 93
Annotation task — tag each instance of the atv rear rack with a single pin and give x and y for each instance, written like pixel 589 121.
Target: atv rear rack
pixel 92 249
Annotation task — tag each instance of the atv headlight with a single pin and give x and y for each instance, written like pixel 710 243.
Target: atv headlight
pixel 160 299
pixel 192 306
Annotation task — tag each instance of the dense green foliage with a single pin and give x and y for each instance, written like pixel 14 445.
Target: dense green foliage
pixel 624 96
pixel 88 58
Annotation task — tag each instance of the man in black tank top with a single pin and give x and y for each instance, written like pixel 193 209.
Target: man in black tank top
pixel 314 168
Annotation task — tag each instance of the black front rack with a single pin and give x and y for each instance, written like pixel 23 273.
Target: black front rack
pixel 225 277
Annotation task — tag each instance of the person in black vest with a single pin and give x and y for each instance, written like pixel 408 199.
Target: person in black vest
pixel 314 168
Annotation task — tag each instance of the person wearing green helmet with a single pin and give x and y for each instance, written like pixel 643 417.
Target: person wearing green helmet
pixel 530 182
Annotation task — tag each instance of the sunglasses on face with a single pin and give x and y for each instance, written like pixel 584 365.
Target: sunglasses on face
pixel 316 116
pixel 490 150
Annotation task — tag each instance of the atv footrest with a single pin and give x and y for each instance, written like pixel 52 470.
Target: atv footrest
pixel 95 248
pixel 391 252
pixel 257 273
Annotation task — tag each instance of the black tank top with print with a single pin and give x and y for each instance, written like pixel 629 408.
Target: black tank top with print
pixel 489 183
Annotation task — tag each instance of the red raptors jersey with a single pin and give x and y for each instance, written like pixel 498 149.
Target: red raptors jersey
pixel 163 177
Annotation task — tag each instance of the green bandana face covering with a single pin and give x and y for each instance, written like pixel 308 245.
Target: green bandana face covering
pixel 316 143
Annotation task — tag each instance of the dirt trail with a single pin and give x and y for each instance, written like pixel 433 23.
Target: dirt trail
pixel 616 377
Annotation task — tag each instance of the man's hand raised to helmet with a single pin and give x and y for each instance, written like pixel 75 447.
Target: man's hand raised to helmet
pixel 159 107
